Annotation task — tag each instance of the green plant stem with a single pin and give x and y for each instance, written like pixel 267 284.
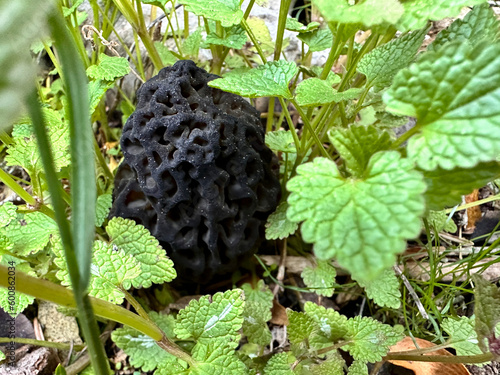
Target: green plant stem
pixel 270 115
pixel 254 40
pixel 140 65
pixel 473 204
pixel 406 136
pixel 284 6
pixel 401 356
pixel 310 129
pixel 296 140
pixel 334 52
pixel 49 291
pixel 23 194
pixel 46 344
pixel 249 9
pixel 186 23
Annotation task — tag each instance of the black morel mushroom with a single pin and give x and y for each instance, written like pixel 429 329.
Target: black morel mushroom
pixel 197 172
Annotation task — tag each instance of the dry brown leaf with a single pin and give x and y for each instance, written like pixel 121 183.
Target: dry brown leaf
pixel 473 213
pixel 279 314
pixel 426 368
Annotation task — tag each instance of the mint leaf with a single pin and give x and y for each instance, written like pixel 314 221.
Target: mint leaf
pixel 142 350
pixel 167 57
pixel 317 40
pixel 463 337
pixel 293 24
pixel 441 221
pixel 320 278
pixel 367 13
pixel 21 301
pixel 256 316
pixel 300 326
pixel 479 24
pixel 381 65
pixel 136 240
pixel 228 12
pixel 329 325
pixel 279 364
pixel 331 366
pixel 235 37
pixel 24 152
pixel 280 140
pixel 357 144
pixel 270 79
pixel 30 233
pixel 445 188
pixel 313 92
pixel 261 294
pixel 212 318
pixel 358 368
pixel 384 290
pixel 454 94
pixel 370 340
pixel 8 213
pixel 103 205
pixel 191 45
pixel 97 89
pixel 487 311
pixel 109 68
pixel 361 222
pixel 278 225
pixel 418 12
pixel 216 357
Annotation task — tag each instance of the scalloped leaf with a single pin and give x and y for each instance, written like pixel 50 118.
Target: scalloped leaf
pixel 418 12
pixel 102 207
pixel 212 318
pixel 270 79
pixel 381 65
pixel 294 24
pixel 440 220
pixel 455 95
pixel 384 290
pixel 300 326
pixel 228 12
pixel 279 364
pixel 21 300
pixel 280 140
pixel 256 316
pixel 361 222
pixel 487 311
pixel 357 144
pixel 137 241
pixel 217 357
pixel 235 37
pixel 367 13
pixel 278 226
pixel 479 24
pixel 320 278
pixel 463 337
pixel 317 40
pixel 109 68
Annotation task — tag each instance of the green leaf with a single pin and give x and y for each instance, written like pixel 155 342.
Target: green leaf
pixel 97 89
pixel 445 188
pixel 270 79
pixel 228 12
pixel 30 233
pixel 348 94
pixel 441 221
pixel 142 350
pixel 8 213
pixel 22 24
pixel 191 45
pixel 261 294
pixel 487 311
pixel 279 364
pixel 212 318
pixel 280 141
pixel 278 225
pixel 262 34
pixel 24 152
pixel 235 37
pixel 320 278
pixel 256 316
pixel 317 40
pixel 293 24
pixel 314 92
pixel 158 3
pixel 418 12
pixel 217 357
pixel 463 337
pixel 68 11
pixel 362 223
pixel 300 326
pixel 358 368
pixel 357 144
pixel 167 57
pixel 21 301
pixel 368 13
pixel 384 290
pixel 369 340
pixel 103 205
pixel 381 65
pixel 331 366
pixel 455 95
pixel 109 68
pixel 136 240
pixel 329 325
pixel 479 24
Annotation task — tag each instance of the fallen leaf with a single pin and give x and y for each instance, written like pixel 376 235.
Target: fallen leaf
pixel 426 368
pixel 473 213
pixel 279 314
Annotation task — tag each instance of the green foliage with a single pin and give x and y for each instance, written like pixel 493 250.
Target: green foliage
pixel 362 222
pixel 278 226
pixel 317 40
pixel 384 290
pixel 453 95
pixel 320 278
pixel 293 24
pixel 108 68
pixel 270 79
pixel 441 221
pixel 463 337
pixel 103 205
pixel 235 37
pixel 228 12
pixel 487 311
pixel 278 364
